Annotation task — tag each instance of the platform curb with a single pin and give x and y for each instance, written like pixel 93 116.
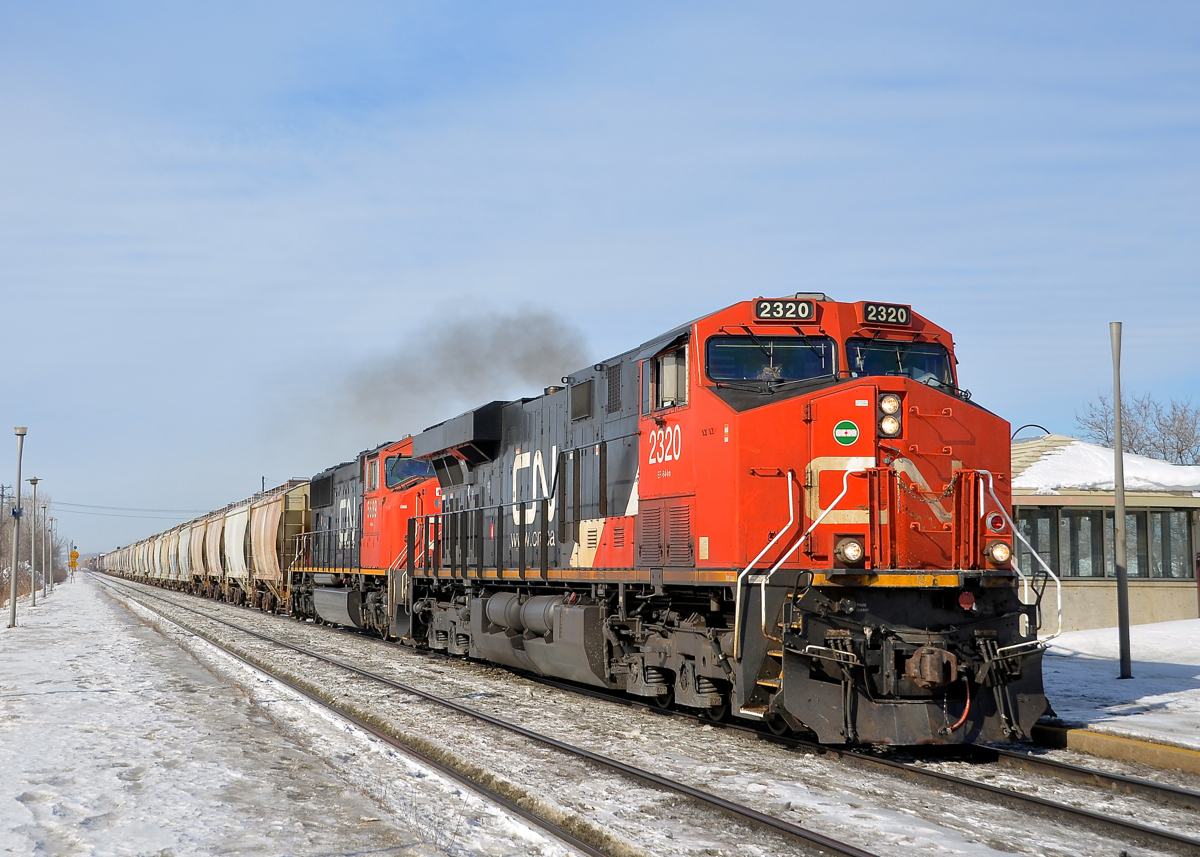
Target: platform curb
pixel 1117 748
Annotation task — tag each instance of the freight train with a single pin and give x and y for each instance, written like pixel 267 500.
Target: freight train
pixel 788 510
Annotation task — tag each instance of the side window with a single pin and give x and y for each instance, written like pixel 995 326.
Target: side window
pixel 670 378
pixel 664 380
pixel 373 474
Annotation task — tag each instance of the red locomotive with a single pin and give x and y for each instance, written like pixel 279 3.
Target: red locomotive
pixel 786 510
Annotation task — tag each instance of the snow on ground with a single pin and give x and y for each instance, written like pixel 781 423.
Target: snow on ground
pixel 1160 703
pixel 884 814
pixel 115 742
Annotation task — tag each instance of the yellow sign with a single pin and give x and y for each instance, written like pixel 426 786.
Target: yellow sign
pixel 72 564
pixel 74 555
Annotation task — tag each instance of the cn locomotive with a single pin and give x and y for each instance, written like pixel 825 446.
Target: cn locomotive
pixel 788 510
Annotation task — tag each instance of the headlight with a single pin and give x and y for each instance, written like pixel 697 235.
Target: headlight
pixel 890 426
pixel 849 551
pixel 889 403
pixel 998 552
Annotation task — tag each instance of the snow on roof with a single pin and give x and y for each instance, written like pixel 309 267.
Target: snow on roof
pixel 1056 462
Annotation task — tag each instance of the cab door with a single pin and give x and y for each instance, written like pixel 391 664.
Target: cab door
pixel 842 443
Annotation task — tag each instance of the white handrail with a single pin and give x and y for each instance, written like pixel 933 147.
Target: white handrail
pixel 795 547
pixel 737 609
pixel 1034 553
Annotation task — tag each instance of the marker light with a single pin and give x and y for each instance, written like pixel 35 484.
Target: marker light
pixel 889 403
pixel 889 426
pixel 995 522
pixel 849 551
pixel 998 552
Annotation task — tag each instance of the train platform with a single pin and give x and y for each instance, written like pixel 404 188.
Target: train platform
pixel 1153 718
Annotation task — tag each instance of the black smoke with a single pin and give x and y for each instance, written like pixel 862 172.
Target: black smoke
pixel 443 367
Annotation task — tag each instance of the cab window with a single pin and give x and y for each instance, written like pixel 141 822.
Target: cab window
pixel 924 362
pixel 771 359
pixel 400 469
pixel 372 474
pixel 665 380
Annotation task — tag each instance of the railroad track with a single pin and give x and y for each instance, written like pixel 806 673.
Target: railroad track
pixel 1141 833
pixel 820 843
pixel 1130 831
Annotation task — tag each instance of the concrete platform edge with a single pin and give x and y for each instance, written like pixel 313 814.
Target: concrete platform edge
pixel 1118 748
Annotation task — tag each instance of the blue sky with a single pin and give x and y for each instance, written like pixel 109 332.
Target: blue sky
pixel 214 216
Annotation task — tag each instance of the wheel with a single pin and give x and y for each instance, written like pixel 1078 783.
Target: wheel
pixel 663 700
pixel 778 726
pixel 717 713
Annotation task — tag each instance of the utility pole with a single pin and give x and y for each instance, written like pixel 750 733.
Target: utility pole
pixel 33 480
pixel 45 530
pixel 1120 560
pixel 20 432
pixel 52 523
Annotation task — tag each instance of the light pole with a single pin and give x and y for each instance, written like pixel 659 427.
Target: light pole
pixel 45 530
pixel 20 432
pixel 33 480
pixel 1119 561
pixel 53 526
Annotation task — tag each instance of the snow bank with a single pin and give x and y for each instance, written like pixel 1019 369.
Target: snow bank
pixel 1160 703
pixel 1083 466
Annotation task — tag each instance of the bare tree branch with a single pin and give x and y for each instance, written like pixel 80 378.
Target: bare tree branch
pixel 1168 432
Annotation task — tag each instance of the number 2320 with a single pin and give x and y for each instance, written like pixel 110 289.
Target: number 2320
pixel 664 445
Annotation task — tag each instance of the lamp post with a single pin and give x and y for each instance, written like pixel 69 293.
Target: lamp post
pixel 33 480
pixel 1120 560
pixel 45 565
pixel 20 432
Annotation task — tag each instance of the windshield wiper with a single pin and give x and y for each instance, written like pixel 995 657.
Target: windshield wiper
pixel 747 387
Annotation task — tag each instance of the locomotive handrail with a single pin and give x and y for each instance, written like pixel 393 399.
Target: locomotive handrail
pixel 521 507
pixel 1034 553
pixel 763 583
pixel 737 609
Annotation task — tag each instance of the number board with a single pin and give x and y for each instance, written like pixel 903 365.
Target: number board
pixel 784 310
pixel 887 314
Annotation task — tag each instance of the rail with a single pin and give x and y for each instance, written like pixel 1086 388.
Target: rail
pixel 850 471
pixel 940 781
pixel 461 540
pixel 737 606
pixel 744 813
pixel 1025 580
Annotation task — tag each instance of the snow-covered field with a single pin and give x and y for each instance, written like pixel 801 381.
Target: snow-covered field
pixel 1160 703
pixel 115 743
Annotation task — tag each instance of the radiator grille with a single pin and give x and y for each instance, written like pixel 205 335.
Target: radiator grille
pixel 679 536
pixel 650 547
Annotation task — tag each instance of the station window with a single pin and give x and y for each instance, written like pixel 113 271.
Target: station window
pixel 664 380
pixel 1080 542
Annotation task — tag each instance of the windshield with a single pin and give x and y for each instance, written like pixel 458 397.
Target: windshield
pixel 769 358
pixel 399 469
pixel 922 361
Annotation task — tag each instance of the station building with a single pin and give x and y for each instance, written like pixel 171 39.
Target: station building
pixel 1063 498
